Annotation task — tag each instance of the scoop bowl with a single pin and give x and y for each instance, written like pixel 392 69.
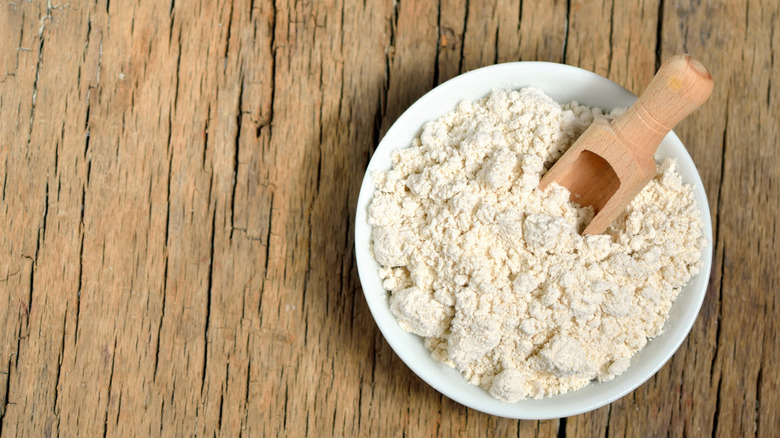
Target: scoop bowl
pixel 564 84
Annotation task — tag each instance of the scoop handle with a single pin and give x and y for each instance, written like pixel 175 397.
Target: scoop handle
pixel 681 85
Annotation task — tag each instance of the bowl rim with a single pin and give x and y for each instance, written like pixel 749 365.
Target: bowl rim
pixel 694 292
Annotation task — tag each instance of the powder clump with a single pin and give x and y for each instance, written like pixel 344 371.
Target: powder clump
pixel 493 273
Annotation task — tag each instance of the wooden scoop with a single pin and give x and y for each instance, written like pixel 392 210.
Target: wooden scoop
pixel 613 161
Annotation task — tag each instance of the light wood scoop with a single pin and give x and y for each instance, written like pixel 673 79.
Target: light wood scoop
pixel 613 161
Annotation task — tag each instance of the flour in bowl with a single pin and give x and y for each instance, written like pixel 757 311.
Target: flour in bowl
pixel 493 273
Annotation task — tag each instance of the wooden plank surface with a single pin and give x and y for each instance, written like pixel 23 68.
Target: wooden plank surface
pixel 178 189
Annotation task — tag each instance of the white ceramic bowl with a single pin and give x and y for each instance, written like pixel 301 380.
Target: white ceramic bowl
pixel 564 84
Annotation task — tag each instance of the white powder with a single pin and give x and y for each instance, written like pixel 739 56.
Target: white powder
pixel 493 272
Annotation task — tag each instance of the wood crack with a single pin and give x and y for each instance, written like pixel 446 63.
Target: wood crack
pixel 268 121
pixel 438 46
pixel 5 179
pixel 562 428
pixel 228 33
pixel 222 394
pixel 717 408
pixel 45 214
pixel 6 396
pixel 496 47
pixel 759 381
pixel 209 291
pixel 236 152
pixel 110 387
pixel 611 35
pixel 319 142
pixel 659 34
pixel 81 264
pixel 59 365
pixel 463 38
pixel 267 257
pixel 566 24
pixel 206 124
pixel 38 65
pixel 178 69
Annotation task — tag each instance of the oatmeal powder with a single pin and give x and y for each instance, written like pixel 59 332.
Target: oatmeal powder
pixel 493 273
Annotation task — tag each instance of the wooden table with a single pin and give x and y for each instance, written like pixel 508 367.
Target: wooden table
pixel 179 182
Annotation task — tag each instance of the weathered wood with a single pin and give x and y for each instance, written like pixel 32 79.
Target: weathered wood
pixel 178 189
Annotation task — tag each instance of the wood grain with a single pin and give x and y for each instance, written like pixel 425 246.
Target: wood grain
pixel 178 195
